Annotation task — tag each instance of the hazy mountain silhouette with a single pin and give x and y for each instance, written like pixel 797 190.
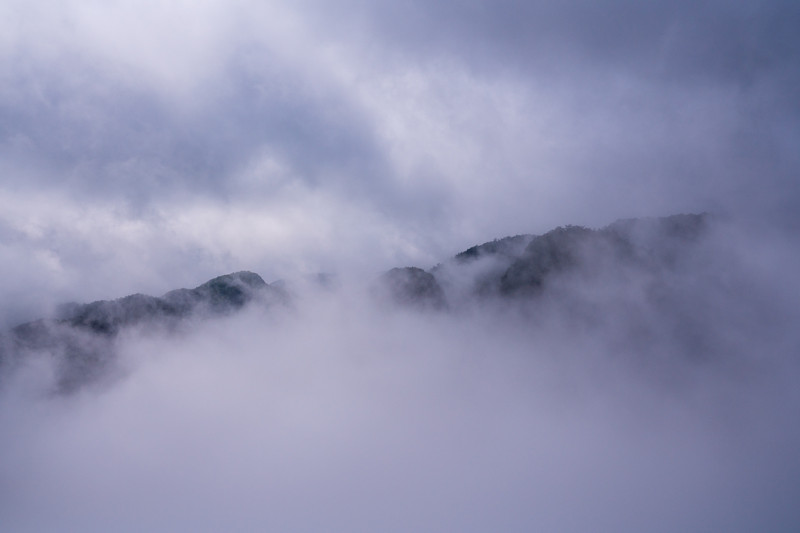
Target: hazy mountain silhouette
pixel 412 286
pixel 80 337
pixel 523 266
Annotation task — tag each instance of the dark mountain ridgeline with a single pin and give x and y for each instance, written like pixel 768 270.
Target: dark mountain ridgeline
pixel 507 246
pixel 524 265
pixel 80 339
pixel 644 245
pixel 220 295
pixel 223 294
pixel 632 284
pixel 557 251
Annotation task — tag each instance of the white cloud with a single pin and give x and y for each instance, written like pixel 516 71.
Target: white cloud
pixel 146 146
pixel 402 421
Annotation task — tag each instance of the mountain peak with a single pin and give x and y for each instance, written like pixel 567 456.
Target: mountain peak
pixel 523 267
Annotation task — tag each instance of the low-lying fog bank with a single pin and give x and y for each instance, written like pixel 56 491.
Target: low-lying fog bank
pixel 615 402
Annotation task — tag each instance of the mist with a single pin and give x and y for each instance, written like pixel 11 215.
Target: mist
pixel 147 147
pixel 344 411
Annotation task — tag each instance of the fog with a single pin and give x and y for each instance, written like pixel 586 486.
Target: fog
pixel 149 146
pixel 344 412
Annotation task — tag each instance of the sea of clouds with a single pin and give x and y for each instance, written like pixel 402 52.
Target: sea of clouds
pixel 343 413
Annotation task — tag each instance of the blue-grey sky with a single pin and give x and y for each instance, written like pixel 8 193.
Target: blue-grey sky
pixel 148 145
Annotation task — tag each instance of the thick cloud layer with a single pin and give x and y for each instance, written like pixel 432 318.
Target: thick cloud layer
pixel 672 408
pixel 339 422
pixel 145 146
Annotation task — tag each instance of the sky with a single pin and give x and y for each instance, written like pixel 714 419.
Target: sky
pixel 151 145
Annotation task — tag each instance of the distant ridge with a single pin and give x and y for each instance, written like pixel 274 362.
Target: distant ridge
pixel 220 295
pixel 521 266
pixel 80 338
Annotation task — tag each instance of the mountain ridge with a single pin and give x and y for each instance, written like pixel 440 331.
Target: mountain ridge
pixel 81 336
pixel 522 265
pixel 517 268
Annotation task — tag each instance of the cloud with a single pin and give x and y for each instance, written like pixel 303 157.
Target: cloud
pixel 338 414
pixel 144 146
pixel 147 146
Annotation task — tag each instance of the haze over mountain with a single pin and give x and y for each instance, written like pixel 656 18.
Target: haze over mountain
pixel 144 148
pixel 631 377
pixel 80 338
pixel 523 269
pixel 358 362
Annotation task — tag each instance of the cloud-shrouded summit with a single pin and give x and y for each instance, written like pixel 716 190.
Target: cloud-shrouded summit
pixel 641 376
pixel 571 373
pixel 140 143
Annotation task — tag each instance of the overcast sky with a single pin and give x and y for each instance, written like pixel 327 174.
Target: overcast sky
pixel 149 145
pixel 152 145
